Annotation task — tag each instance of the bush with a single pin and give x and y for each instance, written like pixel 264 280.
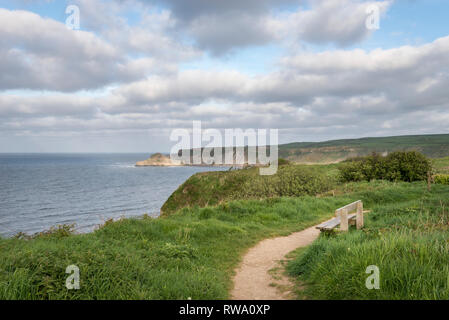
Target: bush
pixel 283 162
pixel 407 166
pixel 397 166
pixel 442 179
pixel 56 232
pixel 289 181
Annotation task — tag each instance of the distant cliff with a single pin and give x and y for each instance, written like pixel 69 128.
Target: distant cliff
pixel 158 160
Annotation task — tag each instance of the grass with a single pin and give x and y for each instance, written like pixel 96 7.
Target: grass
pixel 187 255
pixel 441 165
pixel 190 254
pixel 407 239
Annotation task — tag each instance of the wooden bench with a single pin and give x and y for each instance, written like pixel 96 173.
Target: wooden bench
pixel 344 217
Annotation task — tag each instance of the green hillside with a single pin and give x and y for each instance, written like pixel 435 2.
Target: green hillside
pixel 434 146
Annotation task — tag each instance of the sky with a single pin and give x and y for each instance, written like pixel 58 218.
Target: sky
pixel 135 70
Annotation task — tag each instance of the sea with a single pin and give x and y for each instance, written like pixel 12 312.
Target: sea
pixel 38 191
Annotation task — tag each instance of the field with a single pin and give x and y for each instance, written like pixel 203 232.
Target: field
pixel 441 165
pixel 192 252
pixel 433 146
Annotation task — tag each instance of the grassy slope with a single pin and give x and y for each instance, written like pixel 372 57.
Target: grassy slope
pixel 434 146
pixel 212 188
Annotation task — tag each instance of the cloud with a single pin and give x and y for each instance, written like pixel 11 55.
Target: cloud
pixel 302 78
pixel 221 27
pixel 346 92
pixel 188 11
pixel 311 95
pixel 42 54
pixel 341 22
pixel 136 29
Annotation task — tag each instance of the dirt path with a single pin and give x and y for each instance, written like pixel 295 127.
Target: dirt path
pixel 253 280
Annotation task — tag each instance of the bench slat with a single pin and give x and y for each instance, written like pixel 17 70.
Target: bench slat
pixel 351 206
pixel 328 225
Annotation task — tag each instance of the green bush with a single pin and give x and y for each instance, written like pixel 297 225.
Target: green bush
pixel 442 179
pixel 290 181
pixel 283 162
pixel 397 166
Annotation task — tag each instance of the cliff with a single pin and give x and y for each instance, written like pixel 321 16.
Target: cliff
pixel 157 160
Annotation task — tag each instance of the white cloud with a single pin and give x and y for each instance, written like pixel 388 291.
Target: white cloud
pixel 221 26
pixel 342 22
pixel 360 94
pixel 42 54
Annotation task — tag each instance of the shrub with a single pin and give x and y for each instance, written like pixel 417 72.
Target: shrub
pixel 289 181
pixel 407 166
pixel 181 251
pixel 57 232
pixel 442 179
pixel 205 213
pixel 397 166
pixel 283 162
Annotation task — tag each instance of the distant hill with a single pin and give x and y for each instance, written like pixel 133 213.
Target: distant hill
pixel 434 146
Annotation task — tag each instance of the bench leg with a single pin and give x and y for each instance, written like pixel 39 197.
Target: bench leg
pixel 344 220
pixel 359 217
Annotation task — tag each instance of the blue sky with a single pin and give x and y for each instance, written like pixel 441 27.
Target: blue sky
pixel 138 69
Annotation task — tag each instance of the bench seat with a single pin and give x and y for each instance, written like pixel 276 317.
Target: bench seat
pixel 331 224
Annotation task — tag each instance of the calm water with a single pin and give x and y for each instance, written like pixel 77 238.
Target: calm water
pixel 38 191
